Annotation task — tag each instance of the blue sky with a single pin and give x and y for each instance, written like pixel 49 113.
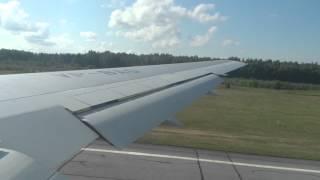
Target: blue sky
pixel 285 29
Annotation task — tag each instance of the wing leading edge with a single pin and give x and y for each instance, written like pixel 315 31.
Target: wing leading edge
pixel 45 125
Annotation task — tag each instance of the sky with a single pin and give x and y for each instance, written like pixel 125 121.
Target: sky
pixel 277 29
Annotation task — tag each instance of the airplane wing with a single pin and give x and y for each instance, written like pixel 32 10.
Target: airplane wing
pixel 47 118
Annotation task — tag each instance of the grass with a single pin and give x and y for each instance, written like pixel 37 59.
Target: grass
pixel 283 85
pixel 283 123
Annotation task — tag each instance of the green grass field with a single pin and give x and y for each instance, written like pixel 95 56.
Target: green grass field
pixel 249 120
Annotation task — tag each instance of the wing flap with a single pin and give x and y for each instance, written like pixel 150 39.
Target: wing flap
pixel 125 122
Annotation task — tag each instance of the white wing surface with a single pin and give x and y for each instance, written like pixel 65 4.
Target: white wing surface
pixel 46 118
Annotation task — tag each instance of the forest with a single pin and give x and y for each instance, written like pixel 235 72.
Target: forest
pixel 16 61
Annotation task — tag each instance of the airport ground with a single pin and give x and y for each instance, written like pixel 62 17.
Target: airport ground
pixel 219 131
pixel 281 123
pixel 239 133
pixel 101 161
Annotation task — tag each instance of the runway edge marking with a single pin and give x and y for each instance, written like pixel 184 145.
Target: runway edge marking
pixel 202 160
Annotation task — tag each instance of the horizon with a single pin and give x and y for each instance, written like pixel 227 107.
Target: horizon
pixel 232 58
pixel 285 31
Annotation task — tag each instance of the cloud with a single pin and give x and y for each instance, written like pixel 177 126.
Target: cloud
pixel 14 19
pixel 157 22
pixel 63 40
pixel 63 43
pixel 201 14
pixel 166 42
pixel 40 36
pixel 201 40
pixel 89 36
pixel 229 42
pixel 103 46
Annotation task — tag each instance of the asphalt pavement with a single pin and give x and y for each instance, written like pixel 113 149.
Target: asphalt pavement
pixel 101 161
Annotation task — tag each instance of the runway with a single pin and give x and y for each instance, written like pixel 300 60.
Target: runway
pixel 101 161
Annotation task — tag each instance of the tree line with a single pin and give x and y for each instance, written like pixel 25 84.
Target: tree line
pixel 23 61
pixel 15 61
pixel 281 71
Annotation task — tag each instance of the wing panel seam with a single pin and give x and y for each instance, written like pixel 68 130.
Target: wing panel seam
pixel 102 106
